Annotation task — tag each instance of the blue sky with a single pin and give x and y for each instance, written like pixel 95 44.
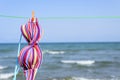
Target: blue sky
pixel 63 30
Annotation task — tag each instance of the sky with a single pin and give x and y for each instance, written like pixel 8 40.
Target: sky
pixel 62 30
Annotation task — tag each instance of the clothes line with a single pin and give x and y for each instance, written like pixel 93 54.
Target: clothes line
pixel 65 17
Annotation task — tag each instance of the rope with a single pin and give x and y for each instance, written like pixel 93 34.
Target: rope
pixel 17 65
pixel 65 17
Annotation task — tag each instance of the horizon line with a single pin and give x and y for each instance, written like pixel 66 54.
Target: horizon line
pixel 62 42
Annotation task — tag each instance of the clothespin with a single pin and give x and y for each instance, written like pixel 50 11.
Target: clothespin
pixel 33 16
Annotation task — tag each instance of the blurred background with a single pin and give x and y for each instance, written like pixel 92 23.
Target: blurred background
pixel 81 38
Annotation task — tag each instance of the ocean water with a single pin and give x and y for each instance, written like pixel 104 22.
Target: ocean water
pixel 67 61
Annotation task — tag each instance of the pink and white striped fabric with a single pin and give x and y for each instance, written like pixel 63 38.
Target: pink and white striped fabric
pixel 30 56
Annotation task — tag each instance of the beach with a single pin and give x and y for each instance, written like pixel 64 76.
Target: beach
pixel 67 61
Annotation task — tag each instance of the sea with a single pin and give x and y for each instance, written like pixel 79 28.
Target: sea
pixel 67 61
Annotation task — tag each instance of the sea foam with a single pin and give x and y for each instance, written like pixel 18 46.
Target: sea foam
pixel 3 67
pixel 77 78
pixel 79 62
pixel 6 76
pixel 53 52
pixel 81 78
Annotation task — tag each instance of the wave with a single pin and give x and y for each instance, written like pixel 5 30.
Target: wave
pixel 6 75
pixel 3 67
pixel 53 52
pixel 79 62
pixel 8 57
pixel 107 63
pixel 6 50
pixel 81 78
pixel 76 78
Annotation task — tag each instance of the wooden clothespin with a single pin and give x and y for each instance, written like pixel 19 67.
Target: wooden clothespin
pixel 33 15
